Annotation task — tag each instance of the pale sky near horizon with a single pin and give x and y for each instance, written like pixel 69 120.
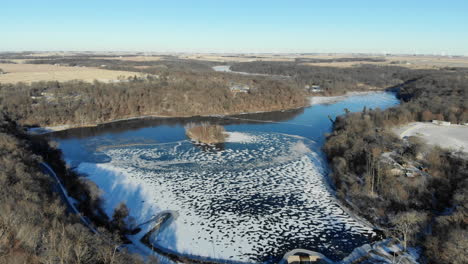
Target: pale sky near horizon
pixel 366 26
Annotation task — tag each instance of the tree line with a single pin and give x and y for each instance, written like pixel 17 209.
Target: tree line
pixel 356 59
pixel 335 80
pixel 428 210
pixel 171 94
pixel 167 63
pixel 35 226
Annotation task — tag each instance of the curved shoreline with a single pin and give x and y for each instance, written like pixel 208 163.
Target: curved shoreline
pixel 323 100
pixel 206 259
pixel 173 255
pixel 50 129
pixel 199 259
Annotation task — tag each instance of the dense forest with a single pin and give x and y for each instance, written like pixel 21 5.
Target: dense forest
pixel 429 208
pixel 35 225
pixel 172 94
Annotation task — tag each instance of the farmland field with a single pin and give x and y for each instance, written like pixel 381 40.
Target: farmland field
pixel 28 73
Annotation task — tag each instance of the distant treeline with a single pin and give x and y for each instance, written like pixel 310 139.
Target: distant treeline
pixel 31 56
pixel 7 62
pixel 314 60
pixel 334 80
pixel 154 67
pixel 171 94
pixel 429 210
pixel 35 226
pixel 110 62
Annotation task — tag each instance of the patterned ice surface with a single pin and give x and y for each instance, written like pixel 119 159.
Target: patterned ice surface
pixel 257 197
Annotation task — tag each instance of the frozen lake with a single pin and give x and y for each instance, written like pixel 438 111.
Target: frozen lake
pixel 252 199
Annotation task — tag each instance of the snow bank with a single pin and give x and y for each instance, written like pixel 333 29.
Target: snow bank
pixel 238 137
pixel 315 100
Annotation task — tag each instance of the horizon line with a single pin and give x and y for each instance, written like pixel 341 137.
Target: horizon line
pixel 440 54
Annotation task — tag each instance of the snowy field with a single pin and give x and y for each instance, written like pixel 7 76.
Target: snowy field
pixel 260 195
pixel 453 137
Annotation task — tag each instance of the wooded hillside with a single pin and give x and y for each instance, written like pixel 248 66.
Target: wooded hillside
pixel 426 205
pixel 35 225
pixel 174 94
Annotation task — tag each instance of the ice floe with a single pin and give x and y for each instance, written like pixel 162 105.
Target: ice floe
pixel 240 137
pixel 262 195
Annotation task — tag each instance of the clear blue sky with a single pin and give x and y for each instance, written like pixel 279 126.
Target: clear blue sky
pixel 396 26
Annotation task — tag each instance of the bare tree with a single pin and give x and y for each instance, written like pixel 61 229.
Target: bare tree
pixel 406 225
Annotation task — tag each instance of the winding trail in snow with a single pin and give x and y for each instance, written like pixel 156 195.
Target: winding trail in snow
pixel 66 198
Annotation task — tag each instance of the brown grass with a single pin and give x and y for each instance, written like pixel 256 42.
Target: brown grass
pixel 233 58
pixel 412 62
pixel 263 57
pixel 41 72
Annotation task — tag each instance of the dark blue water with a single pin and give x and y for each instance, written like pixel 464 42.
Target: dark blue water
pixel 246 201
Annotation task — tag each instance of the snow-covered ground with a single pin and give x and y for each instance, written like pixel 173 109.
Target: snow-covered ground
pixel 315 100
pixel 387 251
pixel 45 130
pixel 453 137
pixel 222 68
pixel 262 194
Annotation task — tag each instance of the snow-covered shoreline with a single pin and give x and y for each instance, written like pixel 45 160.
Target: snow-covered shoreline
pixel 317 100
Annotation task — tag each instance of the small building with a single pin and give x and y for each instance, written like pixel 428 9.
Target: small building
pixel 313 88
pixel 239 88
pixel 440 123
pixel 396 172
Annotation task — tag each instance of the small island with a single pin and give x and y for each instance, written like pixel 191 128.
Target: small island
pixel 206 133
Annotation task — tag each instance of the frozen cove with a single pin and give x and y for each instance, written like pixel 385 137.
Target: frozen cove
pixel 251 200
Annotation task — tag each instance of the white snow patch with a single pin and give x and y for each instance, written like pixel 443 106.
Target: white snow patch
pixel 238 137
pixel 453 137
pixel 315 100
pixel 222 68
